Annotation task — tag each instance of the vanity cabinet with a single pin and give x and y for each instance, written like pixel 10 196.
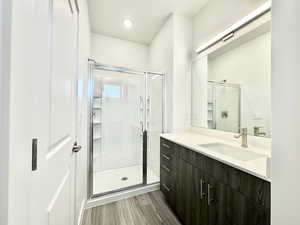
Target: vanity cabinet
pixel 204 191
pixel 168 171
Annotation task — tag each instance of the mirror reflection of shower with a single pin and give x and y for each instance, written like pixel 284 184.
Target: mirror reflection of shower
pixel 224 106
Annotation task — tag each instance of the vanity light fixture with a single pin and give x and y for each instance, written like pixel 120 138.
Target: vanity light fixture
pixel 127 23
pixel 229 32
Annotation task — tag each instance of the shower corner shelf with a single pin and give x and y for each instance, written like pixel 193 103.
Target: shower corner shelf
pixel 97 138
pixel 97 122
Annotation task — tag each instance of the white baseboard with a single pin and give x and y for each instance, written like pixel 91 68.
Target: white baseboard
pixel 121 195
pixel 81 212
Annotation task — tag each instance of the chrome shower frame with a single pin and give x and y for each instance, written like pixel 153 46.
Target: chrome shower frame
pixel 93 65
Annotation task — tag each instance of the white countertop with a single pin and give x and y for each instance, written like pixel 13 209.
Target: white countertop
pixel 258 167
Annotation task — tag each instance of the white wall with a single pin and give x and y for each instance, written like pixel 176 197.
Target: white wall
pixel 250 66
pixel 285 112
pixel 218 15
pixel 161 60
pixel 199 92
pixel 182 73
pixel 170 52
pixel 5 22
pixel 113 51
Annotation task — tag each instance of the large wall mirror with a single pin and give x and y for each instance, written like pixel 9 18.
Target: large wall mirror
pixel 231 82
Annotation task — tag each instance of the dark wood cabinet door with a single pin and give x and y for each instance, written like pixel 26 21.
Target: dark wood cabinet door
pixel 215 201
pixel 257 215
pixel 257 190
pixel 201 209
pixel 235 207
pixel 203 191
pixel 185 196
pixel 189 201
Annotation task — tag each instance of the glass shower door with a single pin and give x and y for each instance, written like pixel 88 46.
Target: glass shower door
pixel 154 108
pixel 118 124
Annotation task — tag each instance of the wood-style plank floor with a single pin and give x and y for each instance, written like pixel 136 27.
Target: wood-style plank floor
pixel 146 209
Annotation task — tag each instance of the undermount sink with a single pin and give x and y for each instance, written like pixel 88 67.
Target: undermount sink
pixel 233 152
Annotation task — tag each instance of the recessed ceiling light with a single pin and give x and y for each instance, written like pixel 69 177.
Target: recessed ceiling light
pixel 127 23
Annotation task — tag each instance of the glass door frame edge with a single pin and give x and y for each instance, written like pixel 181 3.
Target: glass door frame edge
pixel 93 65
pixel 113 68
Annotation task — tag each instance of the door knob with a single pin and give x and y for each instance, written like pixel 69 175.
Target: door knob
pixel 76 148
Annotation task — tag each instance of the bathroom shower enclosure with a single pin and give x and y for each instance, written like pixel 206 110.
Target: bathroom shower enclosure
pixel 126 119
pixel 224 106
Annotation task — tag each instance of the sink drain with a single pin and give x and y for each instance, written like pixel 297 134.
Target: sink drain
pixel 124 178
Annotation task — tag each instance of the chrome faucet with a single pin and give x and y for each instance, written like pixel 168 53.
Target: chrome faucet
pixel 243 134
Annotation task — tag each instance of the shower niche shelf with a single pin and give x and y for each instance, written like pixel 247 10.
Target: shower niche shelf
pixel 97 138
pixel 97 123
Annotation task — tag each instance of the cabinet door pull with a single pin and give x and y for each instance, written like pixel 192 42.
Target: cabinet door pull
pixel 166 157
pixel 166 146
pixel 209 199
pixel 166 187
pixel 202 194
pixel 166 168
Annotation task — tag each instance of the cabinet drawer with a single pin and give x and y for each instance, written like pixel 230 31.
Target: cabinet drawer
pixel 167 147
pixel 169 160
pixel 168 186
pixel 169 170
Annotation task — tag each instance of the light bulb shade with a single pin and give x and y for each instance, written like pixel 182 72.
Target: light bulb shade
pixel 127 23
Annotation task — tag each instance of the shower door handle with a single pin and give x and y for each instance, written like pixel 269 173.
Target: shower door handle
pixel 142 129
pixel 141 113
pixel 148 108
pixel 141 106
pixel 76 148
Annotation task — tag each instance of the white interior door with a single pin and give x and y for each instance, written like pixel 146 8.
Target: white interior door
pixel 53 183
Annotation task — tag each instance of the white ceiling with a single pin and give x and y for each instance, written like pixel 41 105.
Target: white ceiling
pixel 148 16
